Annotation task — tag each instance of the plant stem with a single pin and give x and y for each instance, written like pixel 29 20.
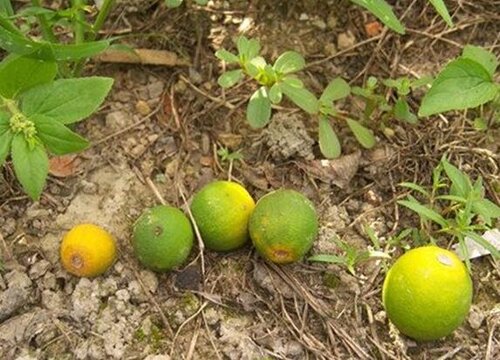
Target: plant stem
pixel 78 21
pixel 98 24
pixel 101 17
pixel 47 32
pixel 5 23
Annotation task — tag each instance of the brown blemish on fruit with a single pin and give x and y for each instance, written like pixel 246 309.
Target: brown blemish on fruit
pixel 77 261
pixel 158 230
pixel 280 254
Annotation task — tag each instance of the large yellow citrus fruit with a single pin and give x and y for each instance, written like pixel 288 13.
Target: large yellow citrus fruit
pixel 283 226
pixel 87 250
pixel 221 210
pixel 162 238
pixel 427 293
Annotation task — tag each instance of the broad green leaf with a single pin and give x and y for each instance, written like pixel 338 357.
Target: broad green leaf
pixel 5 137
pixel 31 165
pixel 329 143
pixel 423 81
pixel 57 137
pixel 253 48
pixel 34 11
pixel 402 112
pixel 229 78
pixel 289 62
pixel 302 97
pixel 173 3
pixel 460 183
pixel 293 80
pixel 462 84
pixel 6 8
pixel 19 73
pixel 327 258
pixel 65 52
pixel 275 93
pixel 17 43
pixel 382 10
pixel 442 10
pixel 487 209
pixel 256 66
pixel 485 244
pixel 424 211
pixel 337 89
pixel 415 187
pixel 482 56
pixel 247 49
pixel 67 100
pixel 259 108
pixel 226 56
pixel 364 136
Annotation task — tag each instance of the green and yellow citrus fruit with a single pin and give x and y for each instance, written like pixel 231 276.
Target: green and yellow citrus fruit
pixel 427 293
pixel 221 210
pixel 87 250
pixel 283 226
pixel 162 238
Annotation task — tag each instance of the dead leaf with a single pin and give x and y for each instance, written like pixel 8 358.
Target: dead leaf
pixel 64 166
pixel 373 28
pixel 142 56
pixel 338 171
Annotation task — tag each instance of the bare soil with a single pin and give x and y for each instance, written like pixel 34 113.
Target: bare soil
pixel 156 139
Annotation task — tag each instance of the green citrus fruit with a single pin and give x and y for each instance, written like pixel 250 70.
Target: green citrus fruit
pixel 221 210
pixel 283 226
pixel 162 238
pixel 427 293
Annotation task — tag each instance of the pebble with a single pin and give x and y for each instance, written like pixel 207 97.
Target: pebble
pixel 116 120
pixel 345 40
pixel 142 107
pixel 39 269
pixel 155 89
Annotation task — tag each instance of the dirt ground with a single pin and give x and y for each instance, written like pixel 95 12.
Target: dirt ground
pixel 157 136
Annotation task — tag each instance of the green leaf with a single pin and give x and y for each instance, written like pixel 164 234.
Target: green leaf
pixel 487 209
pixel 256 66
pixel 31 165
pixel 461 185
pixel 329 143
pixel 424 211
pixel 259 108
pixel 482 56
pixel 383 11
pixel 462 84
pixel 19 73
pixel 202 2
pixel 65 52
pixel 34 11
pixel 5 137
pixel 247 49
pixel 364 136
pixel 289 62
pixel 173 3
pixel 226 56
pixel 337 89
pixel 58 138
pixel 402 112
pixel 302 97
pixel 6 7
pixel 275 94
pixel 67 100
pixel 442 10
pixel 230 78
pixel 327 258
pixel 415 187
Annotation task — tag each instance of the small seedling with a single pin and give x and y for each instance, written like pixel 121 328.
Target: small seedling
pixel 36 113
pixel 456 204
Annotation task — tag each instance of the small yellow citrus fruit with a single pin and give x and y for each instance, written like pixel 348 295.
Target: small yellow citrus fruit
pixel 162 238
pixel 283 226
pixel 427 293
pixel 87 250
pixel 221 210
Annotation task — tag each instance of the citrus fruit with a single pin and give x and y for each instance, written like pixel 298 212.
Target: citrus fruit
pixel 162 238
pixel 221 210
pixel 427 293
pixel 283 226
pixel 87 250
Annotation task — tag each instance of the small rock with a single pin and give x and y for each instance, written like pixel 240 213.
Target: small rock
pixel 149 280
pixel 320 24
pixel 330 49
pixel 303 17
pixel 53 301
pixel 107 287
pixel 346 40
pixel 49 281
pixel 188 279
pixel 9 227
pixel 117 120
pixel 476 317
pixel 85 302
pixel 294 349
pixel 39 269
pixel 155 89
pixel 142 107
pixel 123 295
pixel 88 187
